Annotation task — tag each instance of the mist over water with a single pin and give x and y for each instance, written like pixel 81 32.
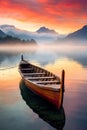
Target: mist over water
pixel 43 54
pixel 15 113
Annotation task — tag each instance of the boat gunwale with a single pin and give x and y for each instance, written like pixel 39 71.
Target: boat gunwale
pixel 42 86
pixel 58 78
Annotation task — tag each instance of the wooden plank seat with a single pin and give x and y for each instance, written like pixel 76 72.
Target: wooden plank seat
pixel 53 86
pixel 37 78
pixel 32 74
pixel 47 82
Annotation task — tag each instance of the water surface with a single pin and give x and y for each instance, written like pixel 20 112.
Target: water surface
pixel 15 109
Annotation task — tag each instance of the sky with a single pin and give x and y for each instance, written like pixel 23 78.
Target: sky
pixel 64 16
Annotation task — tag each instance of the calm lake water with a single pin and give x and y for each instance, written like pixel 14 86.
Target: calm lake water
pixel 20 109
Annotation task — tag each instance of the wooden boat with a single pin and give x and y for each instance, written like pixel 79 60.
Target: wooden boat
pixel 43 82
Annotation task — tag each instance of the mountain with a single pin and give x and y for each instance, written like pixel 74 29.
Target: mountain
pixel 13 40
pixel 46 30
pixel 2 34
pixel 42 35
pixel 14 32
pixel 9 35
pixel 80 34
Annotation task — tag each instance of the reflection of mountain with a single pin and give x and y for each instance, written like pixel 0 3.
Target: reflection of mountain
pixel 80 58
pixel 79 55
pixel 9 58
pixel 49 57
pixel 44 109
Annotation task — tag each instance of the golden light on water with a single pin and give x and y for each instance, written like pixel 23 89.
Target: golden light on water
pixel 9 77
pixel 72 69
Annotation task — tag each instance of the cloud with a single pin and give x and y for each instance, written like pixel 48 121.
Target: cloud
pixel 58 13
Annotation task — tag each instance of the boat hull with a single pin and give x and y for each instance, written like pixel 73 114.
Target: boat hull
pixel 48 94
pixel 43 82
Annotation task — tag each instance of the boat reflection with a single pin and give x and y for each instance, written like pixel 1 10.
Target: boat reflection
pixel 45 110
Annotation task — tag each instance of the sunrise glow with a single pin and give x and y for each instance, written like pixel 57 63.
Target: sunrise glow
pixel 64 16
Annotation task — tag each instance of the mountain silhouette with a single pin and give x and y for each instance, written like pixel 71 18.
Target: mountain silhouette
pixel 42 35
pixel 46 30
pixel 2 34
pixel 80 34
pixel 10 34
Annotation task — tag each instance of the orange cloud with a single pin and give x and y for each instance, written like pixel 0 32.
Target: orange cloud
pixel 62 14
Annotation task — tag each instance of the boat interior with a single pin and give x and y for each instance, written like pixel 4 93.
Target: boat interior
pixel 38 75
